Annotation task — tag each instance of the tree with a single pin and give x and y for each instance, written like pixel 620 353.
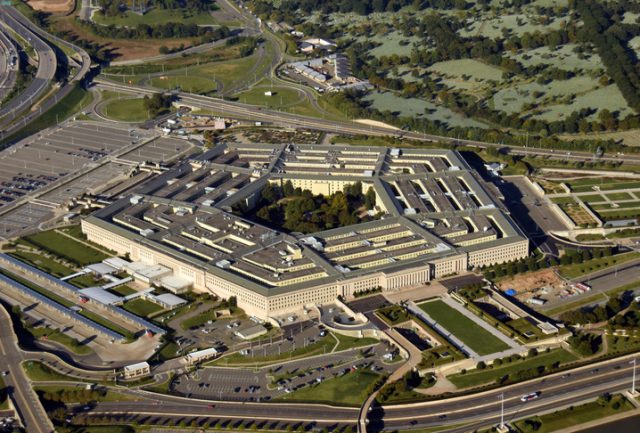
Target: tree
pixel 370 198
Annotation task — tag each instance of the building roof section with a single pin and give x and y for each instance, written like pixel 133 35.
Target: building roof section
pixel 434 207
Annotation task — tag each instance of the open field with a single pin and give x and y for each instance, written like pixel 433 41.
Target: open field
pixel 125 109
pixel 334 391
pixel 576 415
pixel 578 269
pixel 492 374
pixel 478 339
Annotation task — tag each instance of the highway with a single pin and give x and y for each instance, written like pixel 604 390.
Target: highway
pixel 481 409
pixel 29 97
pixel 44 76
pixel 7 72
pixel 27 403
pixel 253 113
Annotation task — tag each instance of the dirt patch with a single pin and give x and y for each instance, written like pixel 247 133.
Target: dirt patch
pixel 51 6
pixel 539 284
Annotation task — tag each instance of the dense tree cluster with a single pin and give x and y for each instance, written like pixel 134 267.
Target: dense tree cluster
pixel 599 313
pixel 116 7
pixel 157 103
pixel 299 210
pixel 159 31
pixel 585 344
pixel 611 40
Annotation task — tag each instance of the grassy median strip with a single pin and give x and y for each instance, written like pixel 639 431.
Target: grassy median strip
pixel 497 373
pixel 578 269
pixel 477 338
pixel 575 415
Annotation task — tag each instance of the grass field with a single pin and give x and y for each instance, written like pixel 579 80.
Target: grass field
pixel 155 17
pixel 39 372
pixel 578 269
pixel 65 108
pixel 43 263
pixel 125 110
pixel 478 339
pixel 576 415
pixel 123 290
pixel 348 390
pixel 65 247
pixel 60 337
pixel 490 375
pixel 204 79
pixel 142 307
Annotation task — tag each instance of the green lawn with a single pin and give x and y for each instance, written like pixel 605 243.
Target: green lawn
pixel 84 281
pixel 282 96
pixel 346 342
pixel 478 339
pixel 616 196
pixel 142 307
pixel 490 375
pixel 575 415
pixel 65 108
pixel 39 372
pixel 578 269
pixel 125 110
pixel 60 337
pixel 123 290
pixel 155 17
pixel 64 247
pixel 349 390
pixel 43 263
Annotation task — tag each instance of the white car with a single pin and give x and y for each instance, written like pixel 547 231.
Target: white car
pixel 529 397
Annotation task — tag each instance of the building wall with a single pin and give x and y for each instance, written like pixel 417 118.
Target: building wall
pixel 275 305
pixel 499 254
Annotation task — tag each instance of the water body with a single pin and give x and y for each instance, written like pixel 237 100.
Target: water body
pixel 627 425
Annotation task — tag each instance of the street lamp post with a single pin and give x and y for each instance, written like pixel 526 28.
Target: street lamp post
pixel 633 378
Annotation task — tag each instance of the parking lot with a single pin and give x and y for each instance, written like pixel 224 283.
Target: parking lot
pixel 159 150
pixel 46 157
pixel 279 379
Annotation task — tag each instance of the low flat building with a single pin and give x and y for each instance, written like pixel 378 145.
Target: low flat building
pixel 201 355
pixel 251 332
pixel 132 371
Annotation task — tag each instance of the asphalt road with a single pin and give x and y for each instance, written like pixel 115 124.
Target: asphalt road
pixel 46 68
pixel 9 14
pixel 7 72
pixel 253 113
pixel 28 406
pixel 483 408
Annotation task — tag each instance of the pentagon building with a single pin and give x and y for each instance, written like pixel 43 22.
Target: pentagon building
pixel 437 220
